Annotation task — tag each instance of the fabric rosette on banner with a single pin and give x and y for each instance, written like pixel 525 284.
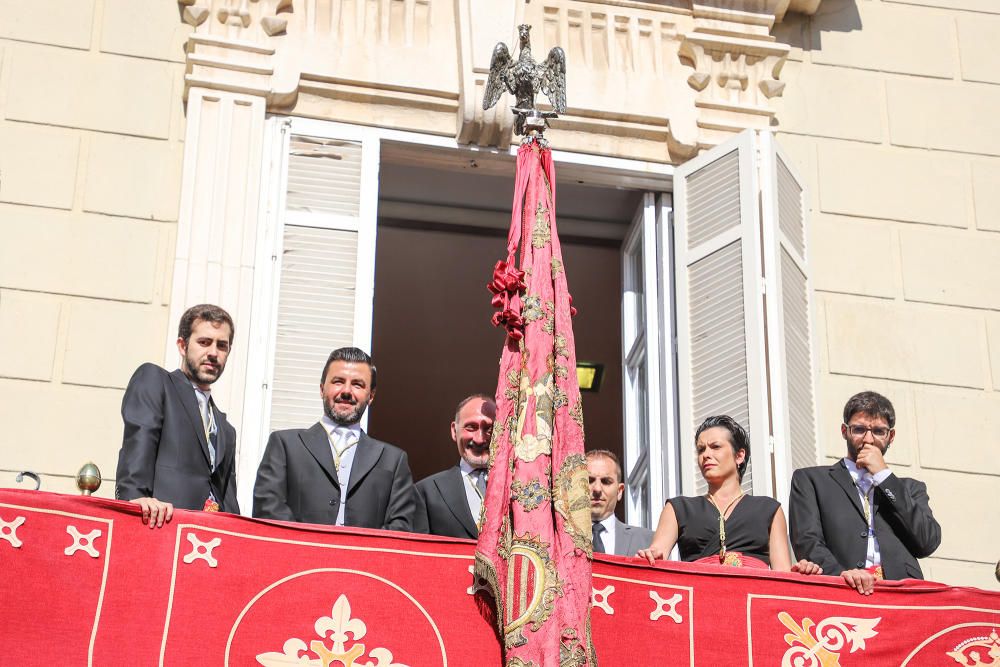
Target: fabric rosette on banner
pixel 534 547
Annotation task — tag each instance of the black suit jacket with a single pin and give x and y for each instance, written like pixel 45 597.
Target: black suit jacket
pixel 164 452
pixel 296 481
pixel 443 507
pixel 828 524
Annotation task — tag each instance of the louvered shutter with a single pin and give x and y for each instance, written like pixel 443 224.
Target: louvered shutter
pixel 783 206
pixel 718 282
pixel 319 273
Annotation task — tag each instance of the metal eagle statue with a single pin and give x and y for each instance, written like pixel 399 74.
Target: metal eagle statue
pixel 524 78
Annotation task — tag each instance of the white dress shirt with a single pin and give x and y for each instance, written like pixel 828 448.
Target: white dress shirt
pixel 336 433
pixel 867 481
pixel 608 536
pixel 204 397
pixel 471 491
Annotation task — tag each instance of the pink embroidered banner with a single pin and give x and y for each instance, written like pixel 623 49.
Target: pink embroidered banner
pixel 535 543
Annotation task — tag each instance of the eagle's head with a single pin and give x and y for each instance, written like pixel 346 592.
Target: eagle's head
pixel 524 32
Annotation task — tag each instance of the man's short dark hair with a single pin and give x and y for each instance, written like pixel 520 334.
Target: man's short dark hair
pixel 608 454
pixel 208 313
pixel 738 437
pixel 351 355
pixel 486 398
pixel 870 403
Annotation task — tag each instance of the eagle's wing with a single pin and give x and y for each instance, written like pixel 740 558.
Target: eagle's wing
pixel 554 79
pixel 495 84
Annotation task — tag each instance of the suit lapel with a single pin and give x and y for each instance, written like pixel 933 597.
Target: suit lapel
pixel 365 458
pixel 317 442
pixel 185 394
pixel 452 490
pixel 843 479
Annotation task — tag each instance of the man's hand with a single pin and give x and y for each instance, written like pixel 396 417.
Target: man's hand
pixel 870 458
pixel 154 512
pixel 807 567
pixel 862 581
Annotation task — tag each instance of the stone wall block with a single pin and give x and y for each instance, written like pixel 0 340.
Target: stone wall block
pixel 977 36
pixel 943 115
pixel 993 336
pixel 986 194
pixel 56 22
pixel 950 267
pixel 884 37
pixel 38 165
pixel 139 178
pixel 29 328
pixel 144 28
pixel 88 428
pixel 956 500
pixel 913 343
pixel 854 256
pixel 985 6
pixel 961 573
pixel 834 391
pixel 89 91
pixel 78 254
pixel 894 184
pixel 958 429
pixel 97 352
pixel 831 102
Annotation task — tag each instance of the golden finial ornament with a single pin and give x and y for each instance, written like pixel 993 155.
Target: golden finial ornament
pixel 88 479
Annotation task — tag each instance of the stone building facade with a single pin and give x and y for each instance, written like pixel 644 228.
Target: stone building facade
pixel 135 139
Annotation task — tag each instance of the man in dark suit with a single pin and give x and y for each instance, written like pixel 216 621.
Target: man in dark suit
pixel 610 535
pixel 450 501
pixel 333 472
pixel 178 450
pixel 856 518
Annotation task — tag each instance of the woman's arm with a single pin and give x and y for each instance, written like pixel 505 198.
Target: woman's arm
pixel 664 538
pixel 781 557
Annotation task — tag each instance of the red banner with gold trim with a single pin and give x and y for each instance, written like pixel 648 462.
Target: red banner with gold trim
pixel 83 582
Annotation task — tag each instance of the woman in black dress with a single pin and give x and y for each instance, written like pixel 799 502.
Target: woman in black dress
pixel 725 526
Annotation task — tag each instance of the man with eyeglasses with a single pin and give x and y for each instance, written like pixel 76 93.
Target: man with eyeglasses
pixel 856 518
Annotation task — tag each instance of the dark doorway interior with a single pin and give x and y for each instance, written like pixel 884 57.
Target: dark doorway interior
pixel 432 338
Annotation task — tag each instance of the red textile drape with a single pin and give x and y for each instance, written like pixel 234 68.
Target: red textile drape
pixel 535 543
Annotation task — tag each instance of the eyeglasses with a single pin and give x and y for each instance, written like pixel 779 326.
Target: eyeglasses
pixel 858 431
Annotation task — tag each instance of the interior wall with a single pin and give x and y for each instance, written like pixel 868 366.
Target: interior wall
pixel 433 342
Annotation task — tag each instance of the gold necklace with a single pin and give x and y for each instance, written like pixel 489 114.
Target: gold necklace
pixel 722 523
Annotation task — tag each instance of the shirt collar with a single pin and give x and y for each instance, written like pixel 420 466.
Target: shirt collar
pixel 206 392
pixel 857 474
pixel 330 426
pixel 466 469
pixel 608 523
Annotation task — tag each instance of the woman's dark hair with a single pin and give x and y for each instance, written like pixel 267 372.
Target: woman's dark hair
pixel 738 437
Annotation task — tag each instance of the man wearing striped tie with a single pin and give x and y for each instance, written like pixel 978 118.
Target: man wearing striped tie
pixel 178 450
pixel 450 501
pixel 333 472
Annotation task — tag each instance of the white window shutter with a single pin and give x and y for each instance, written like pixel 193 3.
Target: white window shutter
pixel 719 295
pixel 783 206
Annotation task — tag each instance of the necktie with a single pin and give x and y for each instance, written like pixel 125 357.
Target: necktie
pixel 208 422
pixel 343 440
pixel 481 481
pixel 598 542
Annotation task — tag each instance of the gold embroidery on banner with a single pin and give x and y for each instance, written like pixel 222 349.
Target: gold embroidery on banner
pixel 559 399
pixel 518 662
pixel 976 649
pixel 561 371
pixel 557 266
pixel 571 651
pixel 571 499
pixel 562 349
pixel 822 647
pixel 576 414
pixel 541 233
pixel 528 446
pixel 526 552
pixel 529 495
pixel 549 325
pixel 341 629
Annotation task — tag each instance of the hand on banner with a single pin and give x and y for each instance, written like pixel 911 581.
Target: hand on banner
pixel 807 567
pixel 861 580
pixel 653 554
pixel 154 512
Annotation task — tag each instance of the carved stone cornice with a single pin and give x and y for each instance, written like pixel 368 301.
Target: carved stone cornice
pixel 651 80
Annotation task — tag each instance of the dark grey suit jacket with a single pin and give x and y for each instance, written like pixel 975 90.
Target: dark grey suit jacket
pixel 164 452
pixel 443 508
pixel 629 539
pixel 296 481
pixel 828 526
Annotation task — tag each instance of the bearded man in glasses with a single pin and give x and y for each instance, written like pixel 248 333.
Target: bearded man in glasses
pixel 856 518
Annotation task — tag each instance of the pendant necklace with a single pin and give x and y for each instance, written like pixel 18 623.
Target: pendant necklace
pixel 722 523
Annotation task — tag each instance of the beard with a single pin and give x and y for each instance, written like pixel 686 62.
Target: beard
pixel 199 375
pixel 353 417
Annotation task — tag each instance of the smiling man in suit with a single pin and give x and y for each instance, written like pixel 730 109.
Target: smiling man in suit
pixel 333 472
pixel 178 450
pixel 451 500
pixel 855 518
pixel 610 535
